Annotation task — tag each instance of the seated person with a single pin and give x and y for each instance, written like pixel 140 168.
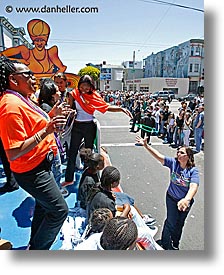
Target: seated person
pixel 94 162
pixel 98 219
pixel 117 233
pixel 102 197
pixel 120 233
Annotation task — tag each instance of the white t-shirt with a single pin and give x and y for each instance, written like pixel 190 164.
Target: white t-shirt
pixel 81 114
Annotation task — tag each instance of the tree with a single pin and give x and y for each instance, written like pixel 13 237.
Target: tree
pixel 91 71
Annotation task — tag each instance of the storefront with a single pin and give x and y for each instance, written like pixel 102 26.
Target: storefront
pixel 179 85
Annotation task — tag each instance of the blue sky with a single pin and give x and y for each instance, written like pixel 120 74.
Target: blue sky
pixel 119 28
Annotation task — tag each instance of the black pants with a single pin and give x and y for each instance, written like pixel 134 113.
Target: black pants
pixel 82 130
pixel 10 179
pixel 147 133
pixel 50 207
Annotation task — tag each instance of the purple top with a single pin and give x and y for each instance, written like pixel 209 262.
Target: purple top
pixel 180 179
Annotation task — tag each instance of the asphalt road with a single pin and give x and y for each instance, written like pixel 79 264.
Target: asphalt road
pixel 145 179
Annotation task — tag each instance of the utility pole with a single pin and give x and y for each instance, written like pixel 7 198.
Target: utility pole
pixel 133 71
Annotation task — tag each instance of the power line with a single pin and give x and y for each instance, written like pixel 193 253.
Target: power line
pixel 105 43
pixel 171 4
pixel 156 26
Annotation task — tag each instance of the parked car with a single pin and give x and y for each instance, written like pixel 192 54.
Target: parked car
pixel 160 94
pixel 186 97
pixel 172 94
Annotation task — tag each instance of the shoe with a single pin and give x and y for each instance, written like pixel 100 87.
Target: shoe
pixel 138 144
pixel 149 143
pixel 174 146
pixel 5 245
pixel 66 183
pixel 149 221
pixel 149 224
pixel 64 192
pixel 173 247
pixel 152 227
pixel 194 150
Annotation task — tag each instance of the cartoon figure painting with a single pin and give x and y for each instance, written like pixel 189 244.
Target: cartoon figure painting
pixel 43 62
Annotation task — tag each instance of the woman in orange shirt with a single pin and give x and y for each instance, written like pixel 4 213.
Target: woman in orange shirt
pixel 27 135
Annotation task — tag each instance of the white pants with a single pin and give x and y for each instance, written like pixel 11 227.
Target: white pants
pixel 186 136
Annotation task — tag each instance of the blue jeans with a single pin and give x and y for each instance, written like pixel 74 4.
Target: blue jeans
pixel 198 138
pixel 50 207
pixel 173 225
pixel 178 140
pixel 161 127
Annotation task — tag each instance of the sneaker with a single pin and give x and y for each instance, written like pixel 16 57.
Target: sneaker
pixel 149 221
pixel 138 144
pixel 66 183
pixel 64 192
pixel 152 227
pixel 173 247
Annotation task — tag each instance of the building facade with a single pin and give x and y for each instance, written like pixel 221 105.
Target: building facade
pixel 183 61
pixel 111 77
pixel 11 36
pixel 180 86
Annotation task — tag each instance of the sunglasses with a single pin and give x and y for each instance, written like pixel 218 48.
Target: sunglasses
pixel 181 152
pixel 25 73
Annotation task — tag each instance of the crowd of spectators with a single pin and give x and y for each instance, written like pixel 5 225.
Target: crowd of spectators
pixel 151 116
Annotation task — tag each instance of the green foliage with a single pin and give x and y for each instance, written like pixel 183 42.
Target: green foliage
pixel 91 71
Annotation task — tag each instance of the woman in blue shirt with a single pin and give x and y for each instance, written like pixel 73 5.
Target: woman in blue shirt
pixel 184 182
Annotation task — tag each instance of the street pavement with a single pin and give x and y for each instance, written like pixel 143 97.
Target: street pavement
pixel 145 179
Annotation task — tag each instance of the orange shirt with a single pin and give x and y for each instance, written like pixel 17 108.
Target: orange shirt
pixel 90 102
pixel 18 122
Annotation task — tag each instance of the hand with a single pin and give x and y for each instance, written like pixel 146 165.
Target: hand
pixel 127 112
pixel 141 141
pixel 56 124
pixel 183 204
pixel 60 108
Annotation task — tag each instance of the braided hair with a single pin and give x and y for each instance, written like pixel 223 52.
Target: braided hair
pixel 97 221
pixel 109 175
pixel 119 234
pixel 7 67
